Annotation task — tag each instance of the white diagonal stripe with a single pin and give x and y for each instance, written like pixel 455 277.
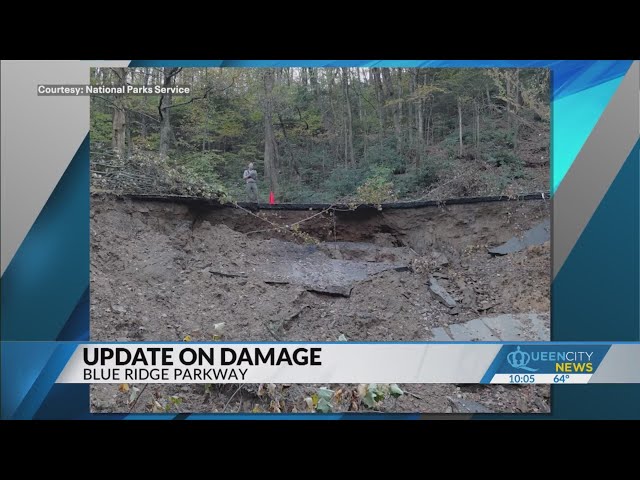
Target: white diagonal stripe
pixel 40 136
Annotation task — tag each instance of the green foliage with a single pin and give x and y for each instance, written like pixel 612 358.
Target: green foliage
pixel 496 138
pixel 214 136
pixel 503 157
pixel 378 187
pixel 419 179
pixel 386 155
pixel 202 167
pixel 381 172
pixel 143 173
pixel 101 127
pixel 173 403
pixel 344 181
pixel 451 144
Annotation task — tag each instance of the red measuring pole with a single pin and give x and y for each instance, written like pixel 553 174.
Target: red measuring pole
pixel 272 199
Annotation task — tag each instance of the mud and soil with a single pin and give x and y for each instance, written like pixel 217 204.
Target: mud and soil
pixel 164 271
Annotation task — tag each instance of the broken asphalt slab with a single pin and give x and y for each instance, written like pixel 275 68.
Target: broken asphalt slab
pixel 439 259
pixel 316 270
pixel 467 406
pixel 506 328
pixel 538 235
pixel 441 294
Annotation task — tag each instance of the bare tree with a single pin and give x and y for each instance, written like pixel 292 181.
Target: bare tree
pixel 143 118
pixel 164 109
pixel 393 104
pixel 271 157
pixel 118 138
pixel 419 124
pixel 377 82
pixel 313 80
pixel 460 151
pixel 348 120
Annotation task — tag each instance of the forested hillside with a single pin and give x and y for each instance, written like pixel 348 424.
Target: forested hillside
pixel 322 135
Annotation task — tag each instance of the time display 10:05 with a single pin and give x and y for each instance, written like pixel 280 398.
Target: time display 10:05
pixel 522 378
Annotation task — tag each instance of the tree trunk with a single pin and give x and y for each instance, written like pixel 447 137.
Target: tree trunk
pixel 477 105
pixel 360 109
pixel 304 77
pixel 413 110
pixel 395 107
pixel 294 162
pixel 515 112
pixel 519 101
pixel 399 105
pixel 270 146
pixel 143 118
pixel 165 127
pixel 118 138
pixel 287 74
pixel 348 119
pixel 377 82
pixel 164 108
pixel 419 134
pixel 460 125
pixel 330 75
pixel 508 84
pixel 429 133
pixel 205 124
pixel 313 80
pixel 345 128
pixel 127 129
pixel 362 116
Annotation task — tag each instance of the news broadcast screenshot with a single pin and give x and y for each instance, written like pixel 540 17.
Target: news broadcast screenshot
pixel 318 239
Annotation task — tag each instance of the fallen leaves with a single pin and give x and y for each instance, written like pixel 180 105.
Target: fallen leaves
pixel 218 331
pixel 395 390
pixel 310 403
pixel 133 392
pixel 324 396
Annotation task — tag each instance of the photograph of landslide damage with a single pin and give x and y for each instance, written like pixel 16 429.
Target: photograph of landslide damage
pixel 332 204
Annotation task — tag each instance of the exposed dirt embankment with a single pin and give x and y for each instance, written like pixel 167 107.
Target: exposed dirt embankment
pixel 163 271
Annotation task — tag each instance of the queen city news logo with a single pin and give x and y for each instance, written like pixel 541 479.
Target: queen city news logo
pixel 520 360
pixel 551 361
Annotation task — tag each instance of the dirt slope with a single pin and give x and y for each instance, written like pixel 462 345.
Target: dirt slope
pixel 162 271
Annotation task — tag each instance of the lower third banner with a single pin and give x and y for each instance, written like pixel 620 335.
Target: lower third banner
pixel 342 362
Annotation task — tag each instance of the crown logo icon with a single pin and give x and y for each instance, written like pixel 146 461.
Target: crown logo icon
pixel 520 360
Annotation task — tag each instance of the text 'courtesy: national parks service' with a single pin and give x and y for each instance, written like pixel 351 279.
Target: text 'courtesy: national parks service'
pixel 188 363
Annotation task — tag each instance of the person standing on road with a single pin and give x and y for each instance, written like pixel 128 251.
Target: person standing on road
pixel 250 177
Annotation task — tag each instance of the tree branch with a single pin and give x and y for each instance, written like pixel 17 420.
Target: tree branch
pixel 125 108
pixel 204 95
pixel 167 82
pixel 117 74
pixel 174 71
pixel 302 119
pixel 233 82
